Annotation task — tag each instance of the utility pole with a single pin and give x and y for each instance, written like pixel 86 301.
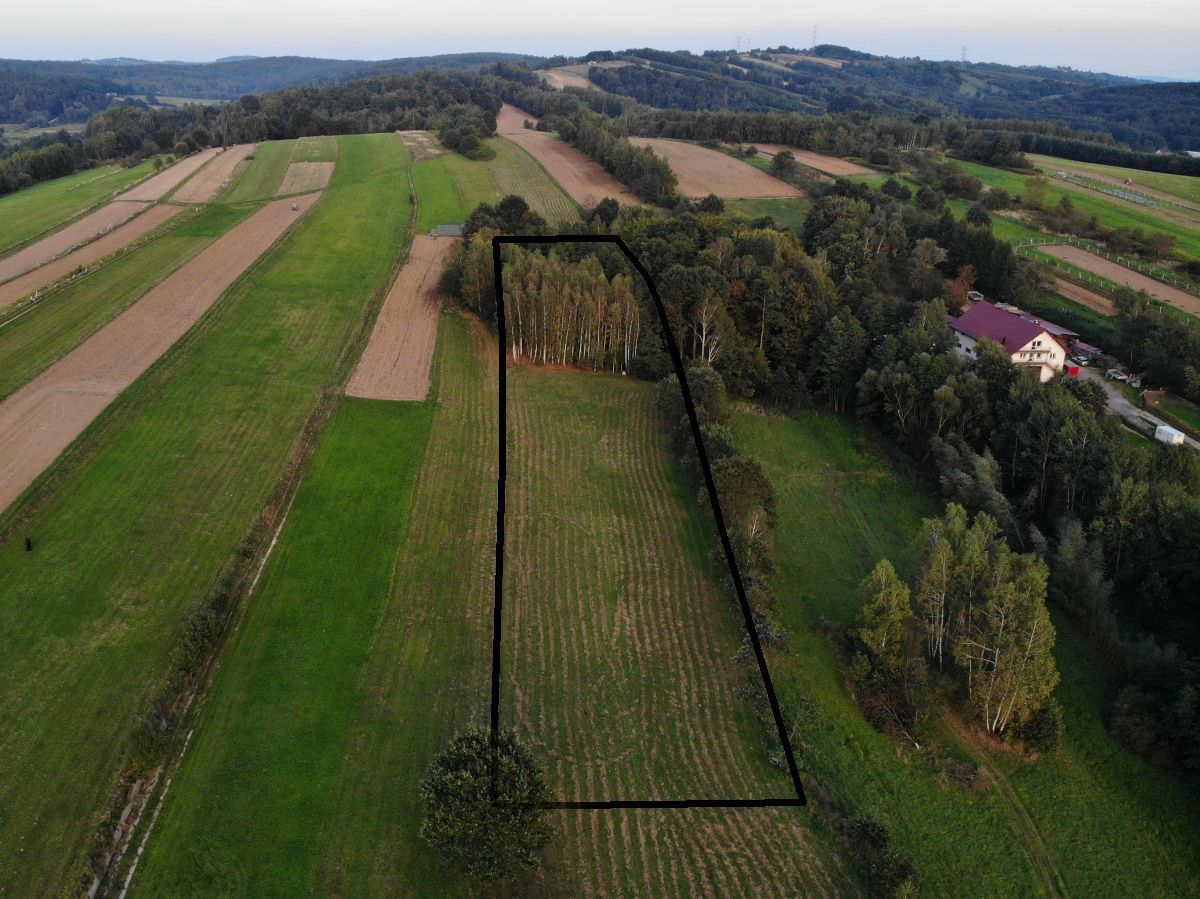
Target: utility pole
pixel 814 40
pixel 964 53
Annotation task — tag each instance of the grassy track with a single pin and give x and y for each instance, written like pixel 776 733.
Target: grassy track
pixel 315 149
pixel 843 506
pixel 789 213
pixel 66 317
pixel 261 176
pixel 1184 186
pixel 619 655
pixel 132 533
pixel 249 810
pixel 450 186
pixel 1114 215
pixel 39 208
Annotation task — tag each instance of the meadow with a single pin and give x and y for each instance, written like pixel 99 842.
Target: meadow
pixel 43 207
pixel 133 527
pixel 35 338
pixel 262 174
pixel 1090 820
pixel 788 213
pixel 1186 187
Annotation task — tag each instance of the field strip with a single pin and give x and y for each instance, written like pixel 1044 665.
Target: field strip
pixel 213 178
pixel 830 165
pixel 41 419
pixel 397 361
pixel 302 177
pixel 1050 166
pixel 1098 265
pixel 74 235
pixel 582 178
pixel 1083 296
pixel 122 236
pixel 163 183
pixel 702 171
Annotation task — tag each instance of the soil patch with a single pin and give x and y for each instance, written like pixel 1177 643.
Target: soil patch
pixel 702 171
pixel 1116 272
pixel 302 177
pixel 213 178
pixel 74 235
pixel 397 360
pixel 119 237
pixel 1085 297
pixel 41 419
pixel 831 165
pixel 163 183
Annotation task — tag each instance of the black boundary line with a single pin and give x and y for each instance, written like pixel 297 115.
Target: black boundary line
pixel 710 485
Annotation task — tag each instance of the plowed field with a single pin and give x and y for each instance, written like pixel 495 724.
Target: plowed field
pixel 210 180
pixel 702 171
pixel 76 234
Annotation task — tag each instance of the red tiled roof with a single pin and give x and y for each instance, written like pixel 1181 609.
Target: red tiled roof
pixel 1009 330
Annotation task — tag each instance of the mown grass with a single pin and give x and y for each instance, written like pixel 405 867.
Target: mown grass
pixel 249 810
pixel 1109 824
pixel 1184 412
pixel 261 176
pixel 132 533
pixel 1113 215
pixel 315 149
pixel 1185 186
pixel 72 313
pixel 788 213
pixel 1094 327
pixel 36 209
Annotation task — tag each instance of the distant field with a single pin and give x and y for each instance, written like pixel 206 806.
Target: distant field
pixel 1186 187
pixel 63 319
pixel 789 213
pixel 843 506
pixel 29 212
pixel 702 171
pixel 315 149
pixel 131 534
pixel 262 174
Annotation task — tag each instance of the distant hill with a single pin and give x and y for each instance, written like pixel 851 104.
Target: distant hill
pixel 42 91
pixel 830 78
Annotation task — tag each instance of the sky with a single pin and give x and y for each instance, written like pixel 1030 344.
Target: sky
pixel 1159 38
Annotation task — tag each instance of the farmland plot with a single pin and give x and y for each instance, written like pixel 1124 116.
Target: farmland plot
pixel 702 171
pixel 153 189
pixel 830 165
pixel 263 172
pixel 1114 271
pixel 73 235
pixel 214 177
pixel 302 177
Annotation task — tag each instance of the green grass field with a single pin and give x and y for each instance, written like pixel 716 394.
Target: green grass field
pixel 260 178
pixel 133 530
pixel 1094 327
pixel 42 207
pixel 789 214
pixel 1113 215
pixel 1186 187
pixel 248 814
pixel 72 313
pixel 450 186
pixel 315 149
pixel 1105 822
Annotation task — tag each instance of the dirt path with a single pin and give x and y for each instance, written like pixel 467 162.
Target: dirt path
pixel 43 276
pixel 396 363
pixel 74 235
pixel 1051 879
pixel 702 171
pixel 1085 297
pixel 163 183
pixel 583 179
pixel 41 419
pixel 213 178
pixel 831 165
pixel 1114 271
pixel 302 177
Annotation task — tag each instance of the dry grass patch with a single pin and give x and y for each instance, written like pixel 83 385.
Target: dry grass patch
pixel 702 171
pixel 304 177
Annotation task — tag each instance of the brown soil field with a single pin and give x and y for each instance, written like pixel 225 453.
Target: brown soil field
pixel 397 360
pixel 1085 297
pixel 583 179
pixel 422 145
pixel 41 419
pixel 302 177
pixel 43 276
pixel 558 79
pixel 163 183
pixel 74 235
pixel 831 165
pixel 702 171
pixel 1098 265
pixel 213 178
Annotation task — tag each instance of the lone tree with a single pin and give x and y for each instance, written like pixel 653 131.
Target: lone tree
pixel 483 806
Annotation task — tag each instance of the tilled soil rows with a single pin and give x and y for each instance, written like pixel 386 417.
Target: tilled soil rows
pixel 74 235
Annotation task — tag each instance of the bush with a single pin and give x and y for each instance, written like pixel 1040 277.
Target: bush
pixel 483 806
pixel 1044 730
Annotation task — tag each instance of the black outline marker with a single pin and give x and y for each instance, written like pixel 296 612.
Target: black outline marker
pixel 710 485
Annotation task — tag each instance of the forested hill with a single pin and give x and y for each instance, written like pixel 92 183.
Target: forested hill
pixel 41 92
pixel 834 79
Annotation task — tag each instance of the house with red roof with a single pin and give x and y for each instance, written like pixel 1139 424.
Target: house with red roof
pixel 1027 340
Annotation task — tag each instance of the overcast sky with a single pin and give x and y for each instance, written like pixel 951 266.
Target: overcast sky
pixel 1159 38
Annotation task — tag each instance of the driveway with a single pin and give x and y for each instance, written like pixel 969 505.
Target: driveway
pixel 1120 405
